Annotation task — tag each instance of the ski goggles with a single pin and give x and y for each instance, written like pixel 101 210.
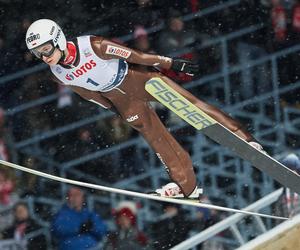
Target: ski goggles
pixel 45 49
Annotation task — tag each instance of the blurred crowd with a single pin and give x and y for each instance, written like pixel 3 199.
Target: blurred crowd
pixel 74 226
pixel 151 26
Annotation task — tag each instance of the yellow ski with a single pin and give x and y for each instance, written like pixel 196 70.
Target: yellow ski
pixel 178 104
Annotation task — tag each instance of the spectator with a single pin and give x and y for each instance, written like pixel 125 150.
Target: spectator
pixel 7 185
pixel 141 40
pixel 23 226
pixel 74 226
pixel 85 143
pixel 289 202
pixel 147 13
pixel 205 218
pixel 28 183
pixel 3 57
pixel 5 66
pixel 188 6
pixel 292 161
pixel 25 59
pixel 172 227
pixel 6 188
pixel 6 142
pixel 254 79
pixel 127 235
pixel 119 132
pixel 296 22
pixel 4 155
pixel 142 43
pixel 176 36
pixel 7 198
pixel 65 111
pixel 173 40
pixel 124 16
pixel 279 21
pixel 65 98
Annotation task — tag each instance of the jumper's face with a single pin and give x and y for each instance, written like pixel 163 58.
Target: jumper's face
pixel 53 59
pixel 48 53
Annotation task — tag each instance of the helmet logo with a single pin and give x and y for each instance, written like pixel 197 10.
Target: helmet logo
pixel 33 37
pixel 52 30
pixel 57 36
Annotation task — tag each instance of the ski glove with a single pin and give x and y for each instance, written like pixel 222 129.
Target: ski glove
pixel 185 66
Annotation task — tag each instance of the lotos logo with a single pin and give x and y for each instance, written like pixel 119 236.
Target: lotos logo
pixel 69 77
pixel 121 52
pixel 80 71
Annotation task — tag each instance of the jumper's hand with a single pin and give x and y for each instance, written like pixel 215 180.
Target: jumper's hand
pixel 185 66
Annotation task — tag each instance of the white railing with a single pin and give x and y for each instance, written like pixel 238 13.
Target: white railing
pixel 12 245
pixel 271 235
pixel 231 223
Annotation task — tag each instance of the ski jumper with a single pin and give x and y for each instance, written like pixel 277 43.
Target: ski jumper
pixel 104 73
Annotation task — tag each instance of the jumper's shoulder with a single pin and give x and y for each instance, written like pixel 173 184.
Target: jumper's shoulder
pixel 96 40
pixel 99 45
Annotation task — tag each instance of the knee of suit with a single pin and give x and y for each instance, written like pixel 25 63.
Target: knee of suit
pixel 141 120
pixel 145 126
pixel 137 126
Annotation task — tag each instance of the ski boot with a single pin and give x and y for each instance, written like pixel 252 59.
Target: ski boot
pixel 172 190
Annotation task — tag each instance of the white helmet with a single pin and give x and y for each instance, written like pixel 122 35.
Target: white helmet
pixel 44 31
